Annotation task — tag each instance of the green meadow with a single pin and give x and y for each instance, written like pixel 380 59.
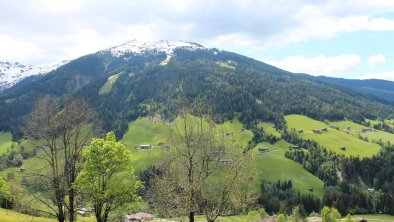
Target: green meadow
pixel 107 87
pixel 12 216
pixel 5 141
pixel 269 166
pixel 273 165
pixel 355 130
pixel 332 139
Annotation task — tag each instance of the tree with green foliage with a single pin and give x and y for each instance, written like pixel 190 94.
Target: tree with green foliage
pixel 203 172
pixel 348 218
pixel 281 218
pixel 330 214
pixel 107 179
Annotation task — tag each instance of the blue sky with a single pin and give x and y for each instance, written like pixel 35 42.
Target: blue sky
pixel 350 39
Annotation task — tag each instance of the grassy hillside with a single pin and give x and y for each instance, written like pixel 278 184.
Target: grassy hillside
pixel 268 166
pixel 332 139
pixel 355 130
pixel 107 87
pixel 12 216
pixel 5 141
pixel 274 165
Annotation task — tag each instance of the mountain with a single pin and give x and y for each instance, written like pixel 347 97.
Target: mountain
pixel 148 78
pixel 382 89
pixel 12 73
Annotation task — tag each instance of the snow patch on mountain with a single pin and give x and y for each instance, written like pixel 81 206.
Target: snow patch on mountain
pixel 141 47
pixel 12 73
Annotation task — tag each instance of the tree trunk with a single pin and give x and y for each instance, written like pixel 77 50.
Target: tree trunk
pixel 60 216
pixel 71 201
pixel 191 217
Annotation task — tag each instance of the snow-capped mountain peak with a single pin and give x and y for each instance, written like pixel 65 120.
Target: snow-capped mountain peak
pixel 12 73
pixel 141 47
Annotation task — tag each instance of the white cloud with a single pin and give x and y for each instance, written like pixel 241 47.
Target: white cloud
pixel 387 75
pixel 376 59
pixel 319 65
pixel 17 49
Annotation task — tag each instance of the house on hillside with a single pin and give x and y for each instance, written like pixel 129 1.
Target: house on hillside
pixel 343 148
pixel 225 161
pixel 264 150
pixel 300 131
pixel 367 130
pixel 229 134
pixel 324 129
pixel 139 217
pixel 145 146
pixel 294 147
pixel 316 131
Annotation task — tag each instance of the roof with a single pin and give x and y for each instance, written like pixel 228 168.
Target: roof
pixel 139 216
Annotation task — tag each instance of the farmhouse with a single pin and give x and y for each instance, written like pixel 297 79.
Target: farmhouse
pixel 264 150
pixel 145 146
pixel 367 130
pixel 316 131
pixel 139 217
pixel 229 134
pixel 225 161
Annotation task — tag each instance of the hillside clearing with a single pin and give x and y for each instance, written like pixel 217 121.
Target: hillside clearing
pixel 5 141
pixel 332 139
pixel 107 87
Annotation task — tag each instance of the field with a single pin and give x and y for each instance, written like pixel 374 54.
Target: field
pixel 333 139
pixel 107 87
pixel 268 166
pixel 12 216
pixel 274 165
pixel 5 142
pixel 356 128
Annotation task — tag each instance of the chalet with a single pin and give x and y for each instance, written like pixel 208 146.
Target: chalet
pixel 225 161
pixel 81 213
pixel 300 131
pixel 343 148
pixel 219 151
pixel 362 219
pixel 145 147
pixel 316 131
pixel 139 217
pixel 161 144
pixel 229 134
pixel 324 129
pixel 367 130
pixel 264 150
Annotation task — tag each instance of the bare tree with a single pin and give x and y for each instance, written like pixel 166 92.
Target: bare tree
pixel 63 129
pixel 202 173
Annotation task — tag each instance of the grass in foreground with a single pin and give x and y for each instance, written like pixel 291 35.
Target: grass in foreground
pixel 333 139
pixel 12 216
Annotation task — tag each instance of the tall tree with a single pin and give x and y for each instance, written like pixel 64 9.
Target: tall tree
pixel 63 129
pixel 107 178
pixel 202 173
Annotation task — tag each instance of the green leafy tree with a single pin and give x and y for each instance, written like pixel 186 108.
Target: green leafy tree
pixel 281 218
pixel 107 179
pixel 348 218
pixel 330 214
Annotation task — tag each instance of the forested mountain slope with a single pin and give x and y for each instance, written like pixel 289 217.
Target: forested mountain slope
pixel 151 78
